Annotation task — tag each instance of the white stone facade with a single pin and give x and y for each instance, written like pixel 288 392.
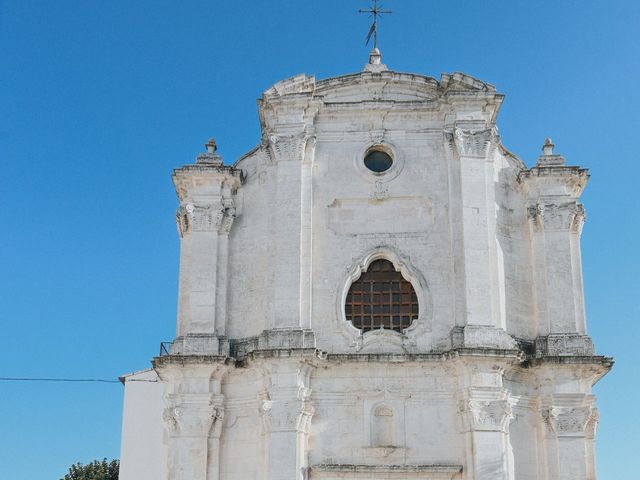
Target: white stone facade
pixel 267 380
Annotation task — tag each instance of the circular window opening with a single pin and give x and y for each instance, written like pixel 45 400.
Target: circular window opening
pixel 378 161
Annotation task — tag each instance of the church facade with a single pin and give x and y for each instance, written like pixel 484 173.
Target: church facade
pixel 378 290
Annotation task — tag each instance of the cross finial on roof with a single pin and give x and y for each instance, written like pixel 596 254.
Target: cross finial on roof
pixel 374 12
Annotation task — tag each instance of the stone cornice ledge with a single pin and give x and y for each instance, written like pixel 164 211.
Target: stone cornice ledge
pixel 598 365
pixel 190 360
pixel 345 467
pixel 515 355
pixel 281 353
pixel 440 470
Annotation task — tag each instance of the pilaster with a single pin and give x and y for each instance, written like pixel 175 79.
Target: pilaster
pixel 471 146
pixel 556 218
pixel 485 413
pixel 206 192
pixel 286 413
pixel 568 415
pixel 570 425
pixel 289 142
pixel 193 415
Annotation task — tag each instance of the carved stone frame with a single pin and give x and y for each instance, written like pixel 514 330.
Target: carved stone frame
pixel 383 177
pixel 394 340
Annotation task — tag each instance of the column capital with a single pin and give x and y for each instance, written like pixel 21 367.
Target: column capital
pixel 487 414
pixel 557 215
pixel 193 420
pixel 217 216
pixel 471 142
pixel 576 421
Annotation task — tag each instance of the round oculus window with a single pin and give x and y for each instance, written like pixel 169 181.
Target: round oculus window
pixel 378 161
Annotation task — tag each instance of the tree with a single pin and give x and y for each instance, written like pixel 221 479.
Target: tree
pixel 96 470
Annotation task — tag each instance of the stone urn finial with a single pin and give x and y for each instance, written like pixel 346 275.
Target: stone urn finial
pixel 548 158
pixel 211 145
pixel 211 156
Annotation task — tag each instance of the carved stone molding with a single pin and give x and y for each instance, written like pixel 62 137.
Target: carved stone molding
pixel 558 344
pixel 287 409
pixel 570 421
pixel 192 217
pixel 380 191
pixel 286 148
pixel 488 415
pixel 472 143
pixel 286 416
pixel 194 420
pixel 557 217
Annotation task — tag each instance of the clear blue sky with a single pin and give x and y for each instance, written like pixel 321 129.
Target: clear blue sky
pixel 99 100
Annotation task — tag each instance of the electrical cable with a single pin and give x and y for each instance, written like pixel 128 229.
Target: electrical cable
pixel 85 380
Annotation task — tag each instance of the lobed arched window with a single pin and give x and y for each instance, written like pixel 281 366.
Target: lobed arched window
pixel 381 298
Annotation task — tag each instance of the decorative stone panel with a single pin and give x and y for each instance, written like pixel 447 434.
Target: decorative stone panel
pixel 488 415
pixel 205 217
pixel 564 345
pixel 471 143
pixel 570 421
pixel 558 216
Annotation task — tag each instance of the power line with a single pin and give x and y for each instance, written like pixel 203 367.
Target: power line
pixel 76 380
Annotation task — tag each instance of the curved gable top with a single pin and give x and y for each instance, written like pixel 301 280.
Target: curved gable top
pixel 420 85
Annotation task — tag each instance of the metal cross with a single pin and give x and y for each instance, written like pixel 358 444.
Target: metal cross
pixel 375 10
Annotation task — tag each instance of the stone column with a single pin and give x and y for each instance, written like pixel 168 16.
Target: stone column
pixel 473 218
pixel 286 418
pixel 570 422
pixel 207 210
pixel 193 417
pixel 556 218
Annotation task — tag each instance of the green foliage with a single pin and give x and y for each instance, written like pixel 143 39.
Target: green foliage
pixel 96 470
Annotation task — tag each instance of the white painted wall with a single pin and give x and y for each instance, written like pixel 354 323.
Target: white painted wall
pixel 143 454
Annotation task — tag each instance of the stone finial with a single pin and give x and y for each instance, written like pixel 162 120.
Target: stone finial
pixel 210 157
pixel 548 158
pixel 375 64
pixel 375 57
pixel 211 145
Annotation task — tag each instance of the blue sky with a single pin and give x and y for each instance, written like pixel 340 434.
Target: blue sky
pixel 101 99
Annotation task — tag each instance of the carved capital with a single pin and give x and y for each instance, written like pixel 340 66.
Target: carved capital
pixel 286 148
pixel 289 410
pixel 557 216
pixel 194 420
pixel 472 143
pixel 217 217
pixel 489 415
pixel 570 421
